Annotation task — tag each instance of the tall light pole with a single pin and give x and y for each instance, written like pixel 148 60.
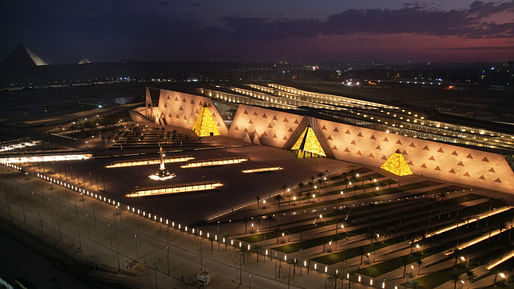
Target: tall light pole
pixel 240 267
pixel 137 246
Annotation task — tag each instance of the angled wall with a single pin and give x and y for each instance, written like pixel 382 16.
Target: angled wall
pixel 370 147
pixel 344 142
pixel 432 159
pixel 182 109
pixel 273 128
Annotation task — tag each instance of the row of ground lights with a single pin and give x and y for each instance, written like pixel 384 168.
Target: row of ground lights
pixel 469 221
pixel 20 145
pixel 184 228
pixel 148 162
pixel 262 170
pixel 211 163
pixel 175 190
pixel 47 158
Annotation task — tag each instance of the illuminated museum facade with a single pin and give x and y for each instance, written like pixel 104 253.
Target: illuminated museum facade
pixel 310 136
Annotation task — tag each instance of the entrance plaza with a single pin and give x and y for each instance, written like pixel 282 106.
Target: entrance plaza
pixel 193 207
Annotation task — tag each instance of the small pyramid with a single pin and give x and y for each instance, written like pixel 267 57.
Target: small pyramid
pixel 255 140
pixel 247 139
pixel 204 124
pixel 308 145
pixel 397 165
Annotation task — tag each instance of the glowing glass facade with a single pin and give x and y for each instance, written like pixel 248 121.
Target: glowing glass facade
pixel 308 145
pixel 397 165
pixel 205 124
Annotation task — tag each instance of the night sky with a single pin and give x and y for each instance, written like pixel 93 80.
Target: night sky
pixel 64 31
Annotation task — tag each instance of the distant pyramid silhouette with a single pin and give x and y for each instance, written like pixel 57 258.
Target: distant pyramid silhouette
pixel 397 165
pixel 84 61
pixel 21 58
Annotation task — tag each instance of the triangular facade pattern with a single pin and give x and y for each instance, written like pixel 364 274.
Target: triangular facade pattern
pixel 182 110
pixel 468 164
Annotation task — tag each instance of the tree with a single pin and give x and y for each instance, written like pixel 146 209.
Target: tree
pixel 271 218
pixel 257 248
pixel 278 198
pixel 414 284
pixel 332 277
pixel 362 251
pixel 245 221
pixel 455 277
pixel 310 196
pixel 284 188
pixel 405 262
pixel 472 277
pixel 300 186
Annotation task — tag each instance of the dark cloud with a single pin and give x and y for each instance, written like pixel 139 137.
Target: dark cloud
pixel 168 29
pixel 414 18
pixel 477 48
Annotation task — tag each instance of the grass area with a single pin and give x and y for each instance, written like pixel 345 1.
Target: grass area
pixel 350 173
pixel 289 248
pixel 306 193
pixel 268 235
pixel 340 256
pixel 355 180
pixel 437 278
pixel 394 263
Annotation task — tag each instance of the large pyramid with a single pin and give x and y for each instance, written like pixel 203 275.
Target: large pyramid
pixel 21 58
pixel 205 124
pixel 308 145
pixel 397 165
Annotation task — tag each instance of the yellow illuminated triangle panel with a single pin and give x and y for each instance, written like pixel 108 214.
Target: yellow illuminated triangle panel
pixel 397 165
pixel 205 124
pixel 308 145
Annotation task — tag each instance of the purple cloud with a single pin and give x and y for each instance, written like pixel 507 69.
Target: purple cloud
pixel 415 18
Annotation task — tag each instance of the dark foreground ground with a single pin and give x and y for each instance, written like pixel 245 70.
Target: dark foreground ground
pixel 34 261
